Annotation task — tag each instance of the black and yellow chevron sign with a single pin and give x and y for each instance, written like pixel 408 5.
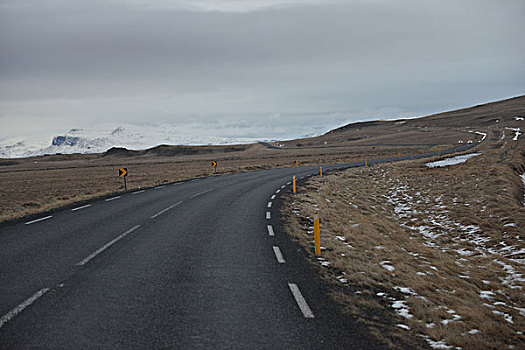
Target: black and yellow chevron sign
pixel 213 164
pixel 122 172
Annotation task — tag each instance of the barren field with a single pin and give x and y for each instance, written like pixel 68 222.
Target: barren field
pixel 426 256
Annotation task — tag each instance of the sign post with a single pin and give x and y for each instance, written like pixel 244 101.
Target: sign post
pixel 317 236
pixel 214 165
pixel 123 172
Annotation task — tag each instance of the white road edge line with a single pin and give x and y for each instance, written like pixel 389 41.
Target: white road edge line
pixel 138 192
pixel 112 199
pixel 277 191
pixel 270 230
pixel 159 187
pixel 82 207
pixel 106 246
pixel 289 182
pixel 301 302
pixel 37 220
pixel 177 183
pixel 278 255
pixel 283 186
pixel 273 197
pixel 203 192
pixel 8 316
pixel 165 210
pixel 268 215
pixel 269 204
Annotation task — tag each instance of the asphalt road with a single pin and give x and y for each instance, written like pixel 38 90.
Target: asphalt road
pixel 198 264
pixel 188 265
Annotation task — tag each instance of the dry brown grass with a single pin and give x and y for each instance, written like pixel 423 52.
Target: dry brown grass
pixel 454 237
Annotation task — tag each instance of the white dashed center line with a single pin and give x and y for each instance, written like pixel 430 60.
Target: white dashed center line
pixel 107 245
pixel 268 215
pixel 289 182
pixel 82 207
pixel 301 302
pixel 283 186
pixel 177 183
pixel 270 230
pixel 273 197
pixel 22 306
pixel 278 254
pixel 138 192
pixel 165 210
pixel 277 191
pixel 269 204
pixel 112 199
pixel 37 220
pixel 203 192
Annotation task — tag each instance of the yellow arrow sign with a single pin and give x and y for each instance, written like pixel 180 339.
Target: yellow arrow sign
pixel 122 172
pixel 213 164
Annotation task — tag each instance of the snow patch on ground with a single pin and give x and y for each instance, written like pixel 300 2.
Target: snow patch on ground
pixel 517 133
pixel 452 161
pixel 441 344
pixel 386 265
pixel 402 309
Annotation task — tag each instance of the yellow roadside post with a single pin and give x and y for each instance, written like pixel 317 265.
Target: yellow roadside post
pixel 294 184
pixel 366 163
pixel 411 157
pixel 317 236
pixel 321 171
pixel 361 158
pixel 297 164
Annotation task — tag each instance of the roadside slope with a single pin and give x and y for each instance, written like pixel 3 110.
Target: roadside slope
pixel 438 251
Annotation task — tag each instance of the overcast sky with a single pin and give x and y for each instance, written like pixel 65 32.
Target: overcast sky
pixel 272 68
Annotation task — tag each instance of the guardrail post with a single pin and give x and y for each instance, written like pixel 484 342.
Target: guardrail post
pixel 293 184
pixel 317 236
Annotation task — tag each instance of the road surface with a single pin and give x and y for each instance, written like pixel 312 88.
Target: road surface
pixel 187 265
pixel 197 264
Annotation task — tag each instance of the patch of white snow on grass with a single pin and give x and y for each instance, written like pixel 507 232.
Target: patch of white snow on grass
pixel 405 290
pixel 486 294
pixel 517 133
pixel 386 265
pixel 441 344
pixel 402 309
pixel 452 161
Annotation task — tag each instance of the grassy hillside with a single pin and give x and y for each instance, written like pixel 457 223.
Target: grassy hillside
pixel 428 256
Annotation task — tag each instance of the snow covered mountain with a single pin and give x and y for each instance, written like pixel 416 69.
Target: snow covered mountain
pixel 99 139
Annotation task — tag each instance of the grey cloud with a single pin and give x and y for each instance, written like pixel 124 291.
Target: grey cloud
pixel 93 60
